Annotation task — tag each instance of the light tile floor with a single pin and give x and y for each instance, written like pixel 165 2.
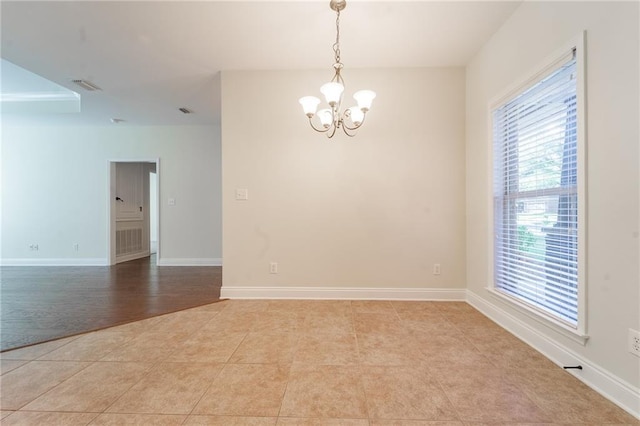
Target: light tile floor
pixel 298 363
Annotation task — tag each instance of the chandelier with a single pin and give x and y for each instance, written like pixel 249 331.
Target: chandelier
pixel 334 118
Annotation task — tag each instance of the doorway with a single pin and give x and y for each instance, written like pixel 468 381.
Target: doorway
pixel 133 210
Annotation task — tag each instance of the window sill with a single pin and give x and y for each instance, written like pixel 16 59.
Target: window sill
pixel 540 317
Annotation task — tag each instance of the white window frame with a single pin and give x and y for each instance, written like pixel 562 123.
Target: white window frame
pixel 579 332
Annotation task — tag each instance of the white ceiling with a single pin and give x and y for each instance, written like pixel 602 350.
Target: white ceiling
pixel 151 57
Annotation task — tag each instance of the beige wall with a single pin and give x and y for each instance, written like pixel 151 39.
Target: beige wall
pixel 536 30
pixel 375 211
pixel 55 190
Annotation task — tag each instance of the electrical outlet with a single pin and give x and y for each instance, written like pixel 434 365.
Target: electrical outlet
pixel 33 247
pixel 76 247
pixel 436 269
pixel 634 342
pixel 273 268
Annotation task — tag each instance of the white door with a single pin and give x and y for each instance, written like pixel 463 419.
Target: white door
pixel 129 191
pixel 132 216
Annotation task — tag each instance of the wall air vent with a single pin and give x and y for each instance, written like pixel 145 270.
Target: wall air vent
pixel 86 85
pixel 185 110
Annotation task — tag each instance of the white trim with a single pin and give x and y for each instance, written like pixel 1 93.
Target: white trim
pixel 455 294
pixel 179 261
pixel 540 316
pixel 581 146
pixel 111 212
pixel 596 377
pixel 55 262
pixel 158 208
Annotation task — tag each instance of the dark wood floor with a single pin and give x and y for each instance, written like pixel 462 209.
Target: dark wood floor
pixel 41 303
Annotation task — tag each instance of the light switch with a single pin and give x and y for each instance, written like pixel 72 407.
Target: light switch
pixel 242 194
pixel 172 201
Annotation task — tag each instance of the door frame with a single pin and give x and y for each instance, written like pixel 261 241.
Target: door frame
pixel 111 203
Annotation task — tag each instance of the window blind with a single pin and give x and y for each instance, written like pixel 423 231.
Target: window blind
pixel 536 194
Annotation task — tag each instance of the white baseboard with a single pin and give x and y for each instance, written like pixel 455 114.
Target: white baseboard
pixel 55 262
pixel 608 385
pixel 327 293
pixel 105 262
pixel 189 261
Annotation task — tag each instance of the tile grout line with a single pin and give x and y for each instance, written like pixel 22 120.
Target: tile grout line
pixel 145 374
pixel 224 364
pixel 148 370
pixel 360 367
pixel 57 384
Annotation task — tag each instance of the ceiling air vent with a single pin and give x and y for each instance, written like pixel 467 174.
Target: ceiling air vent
pixel 86 85
pixel 185 110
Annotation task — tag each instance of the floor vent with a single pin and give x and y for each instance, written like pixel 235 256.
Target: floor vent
pixel 128 241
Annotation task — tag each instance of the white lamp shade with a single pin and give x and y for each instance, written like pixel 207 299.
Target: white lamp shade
pixel 364 98
pixel 309 105
pixel 325 117
pixel 332 92
pixel 356 115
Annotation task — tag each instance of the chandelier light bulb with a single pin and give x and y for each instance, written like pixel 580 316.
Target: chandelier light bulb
pixel 332 92
pixel 357 115
pixel 364 98
pixel 309 105
pixel 326 117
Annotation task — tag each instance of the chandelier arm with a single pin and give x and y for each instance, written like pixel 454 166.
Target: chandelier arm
pixel 346 131
pixel 333 129
pixel 316 129
pixel 344 124
pixel 352 128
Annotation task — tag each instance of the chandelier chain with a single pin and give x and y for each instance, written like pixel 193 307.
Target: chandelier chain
pixel 336 45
